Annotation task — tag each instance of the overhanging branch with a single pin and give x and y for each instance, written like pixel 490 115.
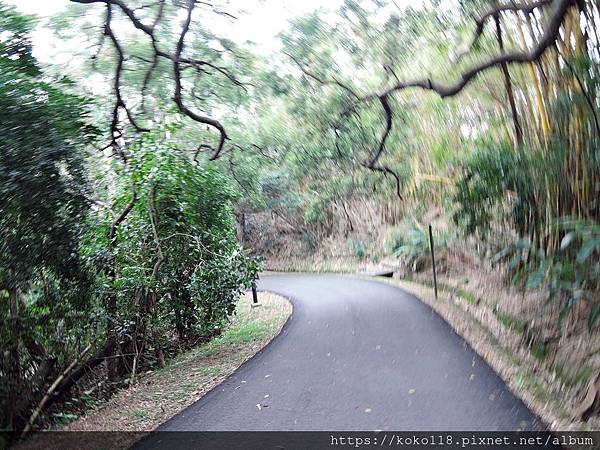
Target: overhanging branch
pixel 451 89
pixel 177 58
pixel 526 8
pixel 444 89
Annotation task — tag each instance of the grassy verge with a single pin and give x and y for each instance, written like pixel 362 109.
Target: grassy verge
pixel 163 393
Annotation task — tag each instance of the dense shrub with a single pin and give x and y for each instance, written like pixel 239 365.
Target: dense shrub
pixel 46 310
pixel 100 261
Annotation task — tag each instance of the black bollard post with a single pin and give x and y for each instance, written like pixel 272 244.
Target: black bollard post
pixel 433 261
pixel 254 294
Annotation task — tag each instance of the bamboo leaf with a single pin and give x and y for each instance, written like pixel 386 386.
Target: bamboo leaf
pixel 566 241
pixel 535 279
pixel 587 249
pixel 502 254
pixel 566 309
pixel 594 315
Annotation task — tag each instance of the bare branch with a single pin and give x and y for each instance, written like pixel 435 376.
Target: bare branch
pixel 200 148
pixel 119 102
pixel 178 91
pixel 178 60
pixel 112 235
pixel 549 37
pixel 374 164
pixel 448 90
pixel 154 61
pixel 320 80
pixel 526 8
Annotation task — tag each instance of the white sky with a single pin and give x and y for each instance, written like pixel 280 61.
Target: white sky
pixel 265 19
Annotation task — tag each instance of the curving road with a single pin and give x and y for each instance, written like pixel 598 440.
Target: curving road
pixel 358 355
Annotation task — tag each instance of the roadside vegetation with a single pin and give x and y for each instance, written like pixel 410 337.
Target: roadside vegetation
pixel 110 266
pixel 162 393
pixel 142 184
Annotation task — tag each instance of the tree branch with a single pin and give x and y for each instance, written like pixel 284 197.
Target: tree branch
pixel 449 90
pixel 178 91
pixel 480 22
pixel 443 89
pixel 320 80
pixel 176 58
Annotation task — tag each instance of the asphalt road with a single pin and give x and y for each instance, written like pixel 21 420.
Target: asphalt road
pixel 358 355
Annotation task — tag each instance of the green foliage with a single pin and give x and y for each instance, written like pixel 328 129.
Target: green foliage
pixel 543 198
pixel 510 322
pixel 173 266
pixel 42 182
pixel 47 311
pixel 539 351
pixel 489 174
pixel 309 241
pixel 216 287
pixel 410 242
pixel 182 228
pixel 145 247
pixel 415 245
pixel 394 241
pixel 358 248
pixel 317 210
pixel 570 274
pixel 275 187
pixel 553 251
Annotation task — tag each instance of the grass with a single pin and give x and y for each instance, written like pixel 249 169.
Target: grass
pixel 64 418
pixel 139 414
pixel 460 293
pixel 525 379
pixel 510 322
pixel 467 296
pixel 245 333
pixel 538 350
pixel 573 375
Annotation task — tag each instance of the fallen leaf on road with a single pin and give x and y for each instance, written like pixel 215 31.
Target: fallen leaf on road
pixel 493 395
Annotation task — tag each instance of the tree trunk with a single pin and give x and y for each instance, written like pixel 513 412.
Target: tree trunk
pixel 12 419
pixel 541 107
pixel 509 90
pixel 240 228
pixel 85 367
pixel 155 270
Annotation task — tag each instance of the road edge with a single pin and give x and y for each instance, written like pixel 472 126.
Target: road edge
pixel 516 375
